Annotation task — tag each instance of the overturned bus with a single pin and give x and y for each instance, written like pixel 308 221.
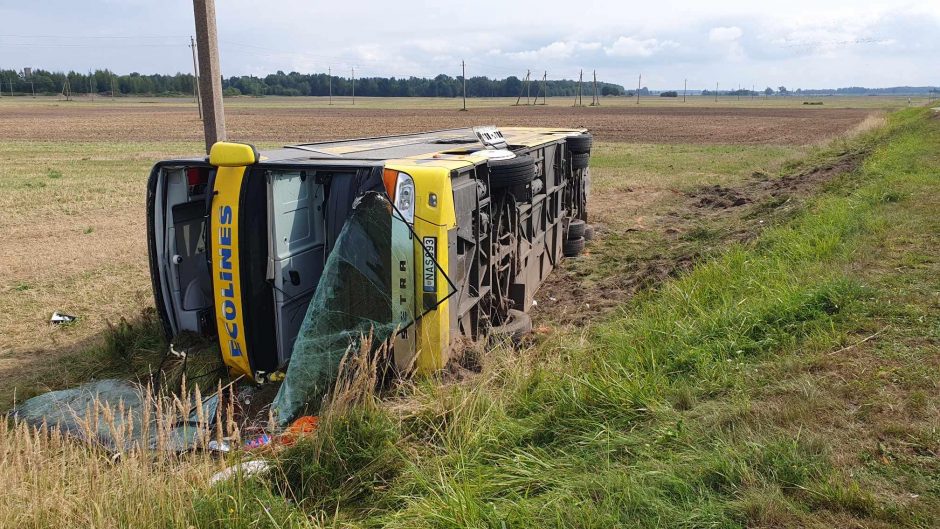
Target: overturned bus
pixel 440 236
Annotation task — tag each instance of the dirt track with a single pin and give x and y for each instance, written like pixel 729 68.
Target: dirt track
pixel 754 126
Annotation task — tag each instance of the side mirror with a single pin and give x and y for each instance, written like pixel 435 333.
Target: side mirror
pixel 227 154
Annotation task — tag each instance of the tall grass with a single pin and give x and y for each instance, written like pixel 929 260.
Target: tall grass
pixel 50 480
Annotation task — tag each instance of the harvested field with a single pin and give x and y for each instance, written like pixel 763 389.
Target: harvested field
pixel 72 192
pixel 177 122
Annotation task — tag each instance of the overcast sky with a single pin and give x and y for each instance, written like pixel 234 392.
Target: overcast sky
pixel 796 43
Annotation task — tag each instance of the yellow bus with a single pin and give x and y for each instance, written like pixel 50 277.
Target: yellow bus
pixel 240 241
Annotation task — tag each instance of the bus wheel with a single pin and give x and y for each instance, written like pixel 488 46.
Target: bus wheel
pixel 512 172
pixel 517 325
pixel 573 247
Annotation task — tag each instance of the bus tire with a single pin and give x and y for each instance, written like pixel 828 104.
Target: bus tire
pixel 580 144
pixel 512 172
pixel 573 247
pixel 517 325
pixel 580 160
pixel 576 229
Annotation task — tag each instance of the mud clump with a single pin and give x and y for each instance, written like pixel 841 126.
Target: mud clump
pixel 718 197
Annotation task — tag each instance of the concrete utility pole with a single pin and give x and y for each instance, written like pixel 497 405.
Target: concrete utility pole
pixel 463 68
pixel 196 80
pixel 210 73
pixel 685 89
pixel 639 82
pixel 716 91
pixel 354 84
pixel 330 75
pixel 192 46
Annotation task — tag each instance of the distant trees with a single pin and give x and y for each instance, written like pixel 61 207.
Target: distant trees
pixel 287 84
pixel 768 91
pixel 669 93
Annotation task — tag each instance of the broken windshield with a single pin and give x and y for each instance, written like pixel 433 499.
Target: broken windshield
pixel 366 290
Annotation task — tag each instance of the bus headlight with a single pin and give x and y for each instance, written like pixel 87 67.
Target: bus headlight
pixel 405 197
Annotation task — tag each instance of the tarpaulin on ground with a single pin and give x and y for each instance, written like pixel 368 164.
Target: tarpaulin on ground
pixel 118 415
pixel 354 299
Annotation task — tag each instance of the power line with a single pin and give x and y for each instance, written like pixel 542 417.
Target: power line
pixel 94 36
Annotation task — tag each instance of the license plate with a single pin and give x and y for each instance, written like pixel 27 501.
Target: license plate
pixel 430 268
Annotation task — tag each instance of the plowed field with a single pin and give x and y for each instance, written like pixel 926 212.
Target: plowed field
pixel 621 123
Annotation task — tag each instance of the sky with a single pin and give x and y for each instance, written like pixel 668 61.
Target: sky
pixel 792 43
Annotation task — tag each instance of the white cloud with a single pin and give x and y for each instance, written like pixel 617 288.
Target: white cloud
pixel 725 34
pixel 633 47
pixel 556 51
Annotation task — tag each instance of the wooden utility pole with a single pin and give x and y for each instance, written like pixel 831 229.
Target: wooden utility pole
pixel 210 72
pixel 354 84
pixel 525 89
pixel 595 102
pixel 639 83
pixel 463 69
pixel 685 89
pixel 330 75
pixel 528 74
pixel 545 87
pixel 192 46
pixel 578 102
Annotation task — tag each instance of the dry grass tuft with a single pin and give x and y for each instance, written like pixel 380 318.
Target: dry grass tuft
pixel 51 480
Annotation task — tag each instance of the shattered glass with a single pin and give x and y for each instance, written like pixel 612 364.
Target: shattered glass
pixel 366 290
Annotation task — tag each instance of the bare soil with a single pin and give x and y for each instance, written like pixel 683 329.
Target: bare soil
pixel 746 126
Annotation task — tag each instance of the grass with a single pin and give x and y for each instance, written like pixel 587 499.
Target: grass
pixel 785 381
pixel 704 404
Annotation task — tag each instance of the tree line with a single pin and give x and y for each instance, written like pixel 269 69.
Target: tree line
pixel 43 82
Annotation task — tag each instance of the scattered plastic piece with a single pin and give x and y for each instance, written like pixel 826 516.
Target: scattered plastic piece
pixel 258 442
pixel 247 468
pixel 215 446
pixel 58 318
pixel 302 426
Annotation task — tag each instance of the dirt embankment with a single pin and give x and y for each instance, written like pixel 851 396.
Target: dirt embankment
pixel 745 126
pixel 702 220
